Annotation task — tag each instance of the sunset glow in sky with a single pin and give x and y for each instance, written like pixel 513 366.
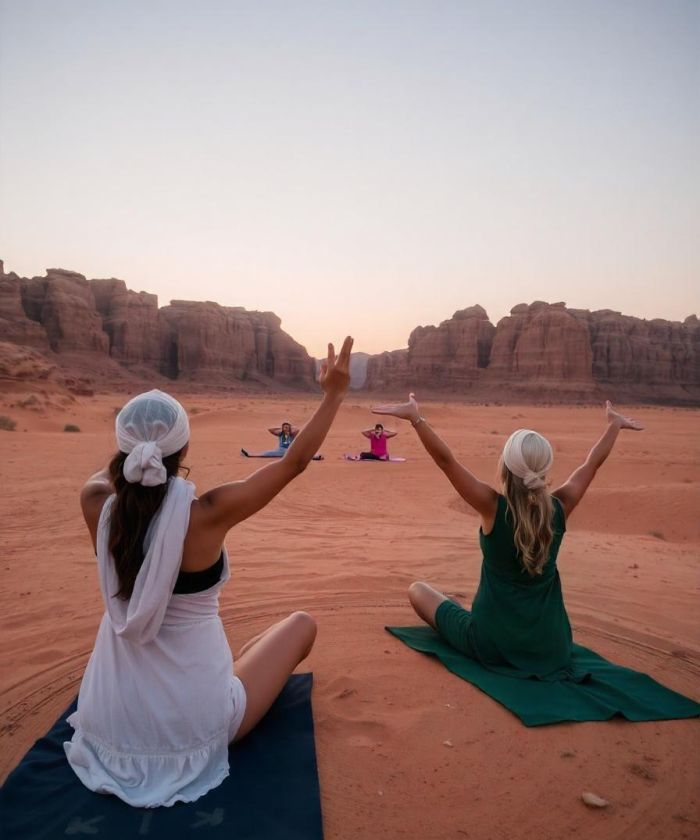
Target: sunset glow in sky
pixel 357 167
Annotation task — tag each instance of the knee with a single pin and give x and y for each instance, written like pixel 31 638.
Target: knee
pixel 305 624
pixel 415 590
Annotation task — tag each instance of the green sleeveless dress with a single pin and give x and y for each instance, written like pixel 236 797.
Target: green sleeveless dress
pixel 515 644
pixel 518 623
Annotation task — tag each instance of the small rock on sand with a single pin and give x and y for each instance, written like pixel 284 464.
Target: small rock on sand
pixel 594 801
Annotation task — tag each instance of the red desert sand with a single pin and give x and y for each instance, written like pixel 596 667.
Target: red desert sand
pixel 405 749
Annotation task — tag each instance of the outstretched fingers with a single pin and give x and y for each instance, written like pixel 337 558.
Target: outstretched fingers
pixel 404 410
pixel 624 422
pixel 344 357
pixel 383 409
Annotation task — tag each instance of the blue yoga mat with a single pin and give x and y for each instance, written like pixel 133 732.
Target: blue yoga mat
pixel 272 791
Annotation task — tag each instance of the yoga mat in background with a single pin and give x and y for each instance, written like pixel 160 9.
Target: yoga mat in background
pixel 350 457
pixel 608 691
pixel 272 791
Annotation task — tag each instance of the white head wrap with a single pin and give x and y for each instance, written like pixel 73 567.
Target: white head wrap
pixel 529 456
pixel 150 426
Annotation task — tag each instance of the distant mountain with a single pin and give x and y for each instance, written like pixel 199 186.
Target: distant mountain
pixel 108 332
pixel 90 334
pixel 547 351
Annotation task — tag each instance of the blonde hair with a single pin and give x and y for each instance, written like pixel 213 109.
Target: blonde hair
pixel 527 456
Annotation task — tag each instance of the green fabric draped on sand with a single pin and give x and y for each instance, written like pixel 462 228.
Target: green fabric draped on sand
pixel 607 690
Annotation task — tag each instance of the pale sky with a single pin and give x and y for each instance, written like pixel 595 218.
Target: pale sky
pixel 357 167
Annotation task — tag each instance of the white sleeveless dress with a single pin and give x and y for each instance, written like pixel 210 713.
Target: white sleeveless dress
pixel 159 702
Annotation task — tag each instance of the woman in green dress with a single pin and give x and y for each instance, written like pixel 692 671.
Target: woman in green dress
pixel 518 624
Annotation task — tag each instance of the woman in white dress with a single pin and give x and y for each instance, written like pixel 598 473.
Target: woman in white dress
pixel 159 702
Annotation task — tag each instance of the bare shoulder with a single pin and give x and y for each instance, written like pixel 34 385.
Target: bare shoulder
pixel 566 499
pixel 92 500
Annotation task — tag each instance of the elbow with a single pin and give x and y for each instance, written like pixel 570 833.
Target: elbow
pixel 445 462
pixel 296 467
pixel 592 465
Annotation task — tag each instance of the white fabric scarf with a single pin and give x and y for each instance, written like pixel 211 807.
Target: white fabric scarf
pixel 515 461
pixel 150 426
pixel 140 618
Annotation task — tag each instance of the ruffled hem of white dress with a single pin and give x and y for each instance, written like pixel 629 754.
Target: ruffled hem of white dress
pixel 148 780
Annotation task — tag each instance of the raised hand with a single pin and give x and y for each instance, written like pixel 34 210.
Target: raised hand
pixel 334 375
pixel 405 411
pixel 620 420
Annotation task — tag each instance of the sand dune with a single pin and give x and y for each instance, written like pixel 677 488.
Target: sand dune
pixel 344 542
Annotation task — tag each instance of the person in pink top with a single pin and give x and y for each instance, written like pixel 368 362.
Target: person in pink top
pixel 377 444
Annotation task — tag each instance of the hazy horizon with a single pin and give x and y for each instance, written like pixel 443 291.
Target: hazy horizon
pixel 337 340
pixel 362 169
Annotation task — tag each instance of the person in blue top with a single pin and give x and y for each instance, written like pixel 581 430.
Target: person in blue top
pixel 285 435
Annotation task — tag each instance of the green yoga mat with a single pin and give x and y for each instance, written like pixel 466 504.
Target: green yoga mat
pixel 608 691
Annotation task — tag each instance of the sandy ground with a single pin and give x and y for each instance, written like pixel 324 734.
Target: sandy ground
pixel 344 542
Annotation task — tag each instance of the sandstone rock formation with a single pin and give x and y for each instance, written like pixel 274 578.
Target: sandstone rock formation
pixel 541 342
pixel 15 326
pixel 91 334
pixel 130 320
pixel 19 362
pixel 205 339
pixel 446 357
pixel 547 351
pixel 64 305
pixel 99 331
pixel 634 351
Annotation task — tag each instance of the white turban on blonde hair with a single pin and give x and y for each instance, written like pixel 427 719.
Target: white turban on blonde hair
pixel 150 426
pixel 529 456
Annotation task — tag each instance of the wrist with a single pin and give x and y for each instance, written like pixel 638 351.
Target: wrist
pixel 334 398
pixel 415 421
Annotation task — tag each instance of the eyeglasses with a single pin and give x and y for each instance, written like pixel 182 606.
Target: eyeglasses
pixel 186 470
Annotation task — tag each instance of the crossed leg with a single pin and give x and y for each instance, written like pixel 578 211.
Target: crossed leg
pixel 425 600
pixel 266 661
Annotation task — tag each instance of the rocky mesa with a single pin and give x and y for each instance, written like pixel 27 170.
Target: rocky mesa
pixel 96 329
pixel 548 351
pixel 98 334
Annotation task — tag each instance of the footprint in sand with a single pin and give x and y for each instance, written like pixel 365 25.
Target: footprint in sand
pixel 643 772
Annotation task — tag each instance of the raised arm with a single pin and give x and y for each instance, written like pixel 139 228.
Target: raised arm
pixel 230 504
pixel 367 432
pixel 481 496
pixel 572 491
pixel 389 434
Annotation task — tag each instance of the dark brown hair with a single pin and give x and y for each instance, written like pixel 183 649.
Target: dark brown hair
pixel 131 514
